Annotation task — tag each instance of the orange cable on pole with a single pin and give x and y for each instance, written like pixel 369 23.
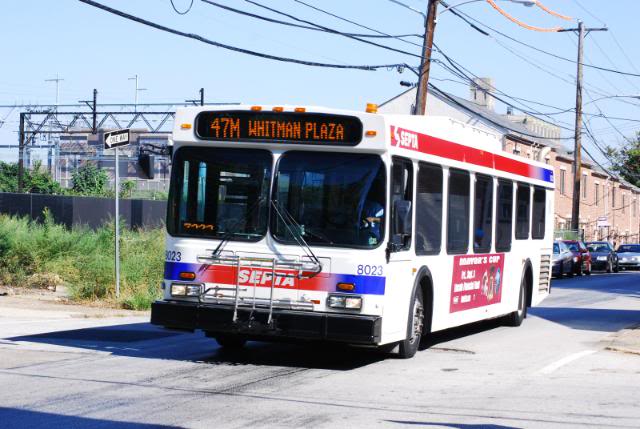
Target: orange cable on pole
pixel 550 12
pixel 520 23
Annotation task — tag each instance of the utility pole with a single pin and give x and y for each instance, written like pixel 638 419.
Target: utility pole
pixel 196 101
pixel 21 143
pixel 577 149
pixel 94 115
pixel 57 80
pixel 135 99
pixel 425 65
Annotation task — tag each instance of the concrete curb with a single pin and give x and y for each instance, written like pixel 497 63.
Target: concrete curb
pixel 626 341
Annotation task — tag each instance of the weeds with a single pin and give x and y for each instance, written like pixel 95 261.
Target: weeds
pixel 35 255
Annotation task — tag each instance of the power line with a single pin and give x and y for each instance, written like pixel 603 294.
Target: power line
pixel 179 12
pixel 330 30
pixel 291 24
pixel 457 66
pixel 234 48
pixel 380 33
pixel 538 49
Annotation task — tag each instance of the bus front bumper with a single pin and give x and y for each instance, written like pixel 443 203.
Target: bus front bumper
pixel 295 324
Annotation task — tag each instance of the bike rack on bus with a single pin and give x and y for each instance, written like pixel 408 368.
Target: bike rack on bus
pixel 303 270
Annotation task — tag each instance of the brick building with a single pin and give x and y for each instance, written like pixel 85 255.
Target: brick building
pixel 609 207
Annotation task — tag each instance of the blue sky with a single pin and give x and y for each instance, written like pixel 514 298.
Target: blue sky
pixel 90 48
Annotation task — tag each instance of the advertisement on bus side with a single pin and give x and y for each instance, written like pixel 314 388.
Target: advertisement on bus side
pixel 476 281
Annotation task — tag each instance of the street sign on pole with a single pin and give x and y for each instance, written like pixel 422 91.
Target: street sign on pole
pixel 602 222
pixel 114 140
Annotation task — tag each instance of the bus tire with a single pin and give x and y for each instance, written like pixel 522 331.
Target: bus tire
pixel 517 317
pixel 231 341
pixel 415 323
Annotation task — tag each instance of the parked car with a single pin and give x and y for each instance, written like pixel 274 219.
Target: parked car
pixel 562 260
pixel 581 257
pixel 603 256
pixel 629 256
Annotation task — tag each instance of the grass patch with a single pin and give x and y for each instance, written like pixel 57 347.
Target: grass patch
pixel 38 255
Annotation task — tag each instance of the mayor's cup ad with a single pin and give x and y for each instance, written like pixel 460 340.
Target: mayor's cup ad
pixel 477 281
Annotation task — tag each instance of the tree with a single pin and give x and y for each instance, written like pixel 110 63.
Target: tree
pixel 90 180
pixel 626 160
pixel 37 180
pixel 126 188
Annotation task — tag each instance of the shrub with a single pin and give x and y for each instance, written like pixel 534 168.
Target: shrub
pixel 47 255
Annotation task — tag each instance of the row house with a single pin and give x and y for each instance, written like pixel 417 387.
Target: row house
pixel 609 206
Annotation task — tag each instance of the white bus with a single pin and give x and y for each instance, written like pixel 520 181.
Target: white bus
pixel 322 224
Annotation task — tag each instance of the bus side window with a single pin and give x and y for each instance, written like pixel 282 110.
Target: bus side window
pixel 458 212
pixel 429 209
pixel 401 190
pixel 483 214
pixel 539 210
pixel 504 216
pixel 523 198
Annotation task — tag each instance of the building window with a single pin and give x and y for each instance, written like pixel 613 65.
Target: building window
pixel 635 208
pixel 597 194
pixel 613 197
pixel 584 186
pixel 428 209
pixel 624 202
pixel 562 175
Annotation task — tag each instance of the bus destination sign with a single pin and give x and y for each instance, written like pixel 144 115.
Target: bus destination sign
pixel 280 127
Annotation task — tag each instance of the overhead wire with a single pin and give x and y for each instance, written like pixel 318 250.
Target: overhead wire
pixel 180 12
pixel 551 12
pixel 520 23
pixel 535 48
pixel 380 33
pixel 235 48
pixel 331 30
pixel 291 24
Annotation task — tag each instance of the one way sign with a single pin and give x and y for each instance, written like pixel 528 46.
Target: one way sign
pixel 116 139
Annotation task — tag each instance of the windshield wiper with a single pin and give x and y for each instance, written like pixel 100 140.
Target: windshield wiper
pixel 314 233
pixel 289 222
pixel 234 228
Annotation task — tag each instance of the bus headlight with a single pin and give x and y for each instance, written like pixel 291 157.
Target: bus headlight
pixel 185 290
pixel 349 302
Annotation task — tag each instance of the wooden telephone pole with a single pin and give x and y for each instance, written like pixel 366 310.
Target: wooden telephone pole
pixel 425 65
pixel 577 149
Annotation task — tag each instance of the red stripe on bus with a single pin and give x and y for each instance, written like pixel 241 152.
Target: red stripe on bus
pixel 407 139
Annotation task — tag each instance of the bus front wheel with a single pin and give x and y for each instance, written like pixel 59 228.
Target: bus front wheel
pixel 415 323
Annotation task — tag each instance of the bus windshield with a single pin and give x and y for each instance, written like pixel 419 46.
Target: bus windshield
pixel 219 193
pixel 335 199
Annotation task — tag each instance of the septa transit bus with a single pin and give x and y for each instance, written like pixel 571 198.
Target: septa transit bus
pixel 354 227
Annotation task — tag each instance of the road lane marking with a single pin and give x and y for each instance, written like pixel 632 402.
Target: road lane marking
pixel 565 360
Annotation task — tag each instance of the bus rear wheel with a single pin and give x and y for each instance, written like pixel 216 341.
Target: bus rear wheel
pixel 517 317
pixel 415 323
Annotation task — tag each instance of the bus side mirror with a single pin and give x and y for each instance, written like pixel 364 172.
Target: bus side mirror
pixel 402 218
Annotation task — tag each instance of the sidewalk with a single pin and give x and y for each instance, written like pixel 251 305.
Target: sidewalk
pixel 626 341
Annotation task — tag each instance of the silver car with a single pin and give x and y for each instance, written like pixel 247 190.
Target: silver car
pixel 629 256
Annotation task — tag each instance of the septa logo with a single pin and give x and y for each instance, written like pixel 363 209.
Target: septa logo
pixel 404 138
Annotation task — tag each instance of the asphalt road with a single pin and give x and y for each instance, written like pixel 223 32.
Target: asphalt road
pixel 554 371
